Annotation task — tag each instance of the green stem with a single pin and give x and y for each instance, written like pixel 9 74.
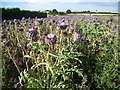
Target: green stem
pixel 13 61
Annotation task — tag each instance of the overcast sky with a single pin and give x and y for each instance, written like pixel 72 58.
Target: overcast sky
pixel 62 5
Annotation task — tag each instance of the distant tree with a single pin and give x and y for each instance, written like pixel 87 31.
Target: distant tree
pixel 47 10
pixel 54 11
pixel 88 11
pixel 68 11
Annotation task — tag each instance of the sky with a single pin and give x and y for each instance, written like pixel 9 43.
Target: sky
pixel 62 5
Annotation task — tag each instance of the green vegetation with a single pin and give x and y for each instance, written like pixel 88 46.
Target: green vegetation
pixel 16 13
pixel 60 52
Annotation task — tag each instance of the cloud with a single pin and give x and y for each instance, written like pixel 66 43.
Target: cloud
pixel 74 1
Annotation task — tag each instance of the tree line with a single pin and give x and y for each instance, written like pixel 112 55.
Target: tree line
pixel 54 11
pixel 16 13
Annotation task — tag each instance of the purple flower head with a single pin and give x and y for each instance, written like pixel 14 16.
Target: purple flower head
pixel 0 24
pixel 76 36
pixel 29 24
pixel 8 29
pixel 35 27
pixel 1 31
pixel 11 22
pixel 50 39
pixel 40 21
pixel 106 24
pixel 6 43
pixel 88 23
pixel 28 45
pixel 5 21
pixel 59 22
pixel 15 20
pixel 50 23
pixel 57 28
pixel 2 35
pixel 109 36
pixel 65 33
pixel 104 41
pixel 72 29
pixel 82 38
pixel 110 22
pixel 117 29
pixel 23 18
pixel 41 40
pixel 113 25
pixel 21 29
pixel 96 17
pixel 96 23
pixel 91 21
pixel 45 33
pixel 113 32
pixel 69 19
pixel 31 33
pixel 80 20
pixel 15 85
pixel 71 24
pixel 63 20
pixel 20 62
pixel 63 25
pixel 50 36
pixel 35 38
pixel 31 29
pixel 84 28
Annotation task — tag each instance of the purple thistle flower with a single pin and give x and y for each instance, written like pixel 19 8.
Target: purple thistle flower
pixel 50 36
pixel 28 45
pixel 63 20
pixel 20 62
pixel 41 40
pixel 35 27
pixel 71 29
pixel 82 38
pixel 0 24
pixel 104 41
pixel 15 85
pixel 31 33
pixel 57 28
pixel 88 23
pixel 40 21
pixel 1 31
pixel 84 28
pixel 117 29
pixel 106 24
pixel 50 39
pixel 80 20
pixel 45 33
pixel 6 43
pixel 113 25
pixel 76 36
pixel 63 25
pixel 15 20
pixel 8 29
pixel 113 32
pixel 96 23
pixel 23 18
pixel 110 22
pixel 71 24
pixel 5 21
pixel 65 33
pixel 2 35
pixel 35 38
pixel 20 29
pixel 109 36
